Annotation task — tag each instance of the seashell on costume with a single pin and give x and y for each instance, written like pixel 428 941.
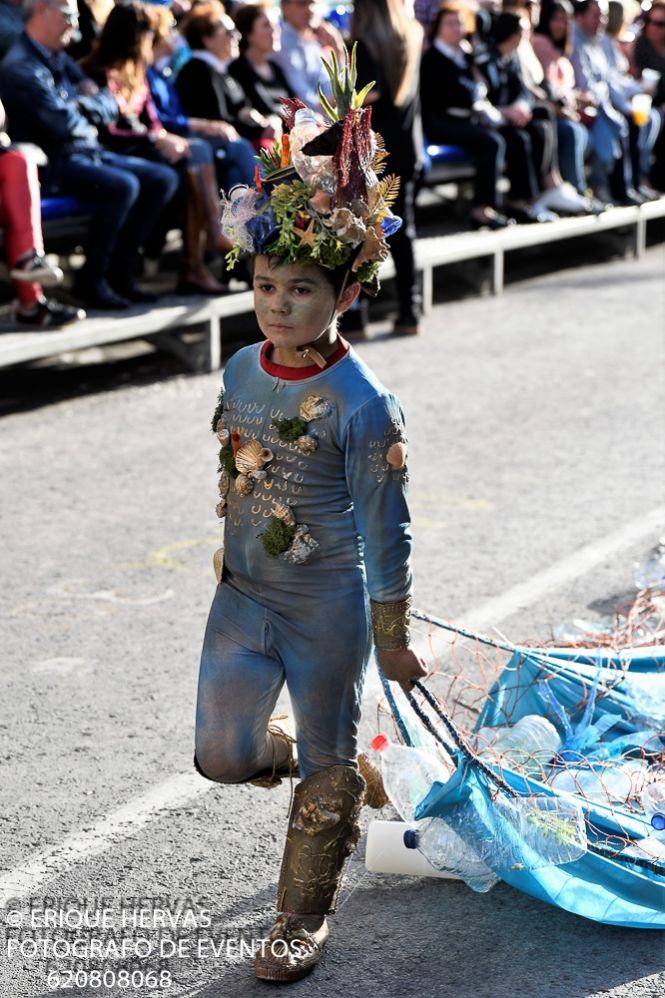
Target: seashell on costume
pixel 222 433
pixel 314 407
pixel 224 484
pixel 220 508
pixel 284 513
pixel 396 456
pixel 252 456
pixel 307 443
pixel 243 485
pixel 217 563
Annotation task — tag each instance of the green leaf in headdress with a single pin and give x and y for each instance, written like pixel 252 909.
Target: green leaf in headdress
pixel 343 83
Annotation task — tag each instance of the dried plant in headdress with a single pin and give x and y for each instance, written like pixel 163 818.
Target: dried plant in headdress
pixel 317 195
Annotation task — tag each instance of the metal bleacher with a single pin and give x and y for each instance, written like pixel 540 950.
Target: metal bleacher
pixel 192 328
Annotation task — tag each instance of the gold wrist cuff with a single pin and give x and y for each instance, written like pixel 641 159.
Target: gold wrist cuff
pixel 390 622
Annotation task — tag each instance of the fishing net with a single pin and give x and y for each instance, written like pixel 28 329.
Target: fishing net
pixel 555 761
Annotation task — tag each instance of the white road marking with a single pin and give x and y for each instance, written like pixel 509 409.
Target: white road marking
pixel 120 824
pixel 177 790
pixel 61 665
pixel 561 572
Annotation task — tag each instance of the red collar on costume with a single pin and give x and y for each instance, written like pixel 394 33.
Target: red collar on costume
pixel 299 373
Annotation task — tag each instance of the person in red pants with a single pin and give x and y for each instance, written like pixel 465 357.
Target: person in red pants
pixel 20 217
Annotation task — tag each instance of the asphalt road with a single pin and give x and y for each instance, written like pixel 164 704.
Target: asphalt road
pixel 535 424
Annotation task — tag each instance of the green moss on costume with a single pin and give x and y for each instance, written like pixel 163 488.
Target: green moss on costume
pixel 227 462
pixel 219 411
pixel 277 537
pixel 290 429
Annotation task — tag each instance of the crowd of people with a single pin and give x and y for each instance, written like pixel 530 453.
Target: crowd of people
pixel 144 112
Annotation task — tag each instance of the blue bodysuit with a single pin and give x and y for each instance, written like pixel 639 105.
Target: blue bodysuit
pixel 316 519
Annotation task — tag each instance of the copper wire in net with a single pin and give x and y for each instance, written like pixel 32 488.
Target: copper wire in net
pixel 637 622
pixel 463 671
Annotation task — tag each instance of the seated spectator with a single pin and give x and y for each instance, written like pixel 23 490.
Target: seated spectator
pixel 528 153
pixel 20 217
pixel 552 44
pixel 119 61
pixel 255 69
pixel 51 103
pixel 204 85
pixel 12 20
pixel 642 139
pixel 649 53
pixel 456 112
pixel 561 133
pixel 305 38
pixel 615 168
pixel 649 48
pixel 233 156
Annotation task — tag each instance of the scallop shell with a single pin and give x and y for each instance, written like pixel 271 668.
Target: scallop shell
pixel 396 456
pixel 243 485
pixel 217 563
pixel 252 456
pixel 314 407
pixel 283 512
pixel 224 484
pixel 220 508
pixel 307 443
pixel 223 435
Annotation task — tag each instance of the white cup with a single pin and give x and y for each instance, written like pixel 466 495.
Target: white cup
pixel 640 106
pixel 651 77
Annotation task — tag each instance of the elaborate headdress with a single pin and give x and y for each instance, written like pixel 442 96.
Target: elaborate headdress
pixel 318 197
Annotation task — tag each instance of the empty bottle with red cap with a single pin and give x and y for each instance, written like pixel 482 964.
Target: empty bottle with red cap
pixel 408 773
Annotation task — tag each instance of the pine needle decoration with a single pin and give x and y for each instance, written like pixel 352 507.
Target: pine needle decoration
pixel 388 188
pixel 379 161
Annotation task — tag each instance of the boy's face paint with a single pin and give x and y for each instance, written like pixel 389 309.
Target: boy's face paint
pixel 294 303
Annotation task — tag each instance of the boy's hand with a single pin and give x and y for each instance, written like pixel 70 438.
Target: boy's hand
pixel 403 667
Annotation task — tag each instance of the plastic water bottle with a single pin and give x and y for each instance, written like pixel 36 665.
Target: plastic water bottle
pixel 446 850
pixel 651 572
pixel 408 773
pixel 530 743
pixel 606 784
pixel 387 852
pixel 653 802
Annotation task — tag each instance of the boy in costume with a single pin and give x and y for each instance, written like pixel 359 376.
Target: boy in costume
pixel 316 557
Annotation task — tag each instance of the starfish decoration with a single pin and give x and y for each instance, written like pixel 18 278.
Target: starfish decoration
pixel 306 236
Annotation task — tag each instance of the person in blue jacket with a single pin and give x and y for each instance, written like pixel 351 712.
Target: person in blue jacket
pixel 52 103
pixel 313 476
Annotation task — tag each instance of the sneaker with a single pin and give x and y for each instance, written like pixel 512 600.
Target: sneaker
pixel 538 213
pixel 47 313
pixel 35 268
pixel 648 193
pixel 563 199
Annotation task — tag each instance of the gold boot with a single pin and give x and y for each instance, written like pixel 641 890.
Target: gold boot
pixel 323 831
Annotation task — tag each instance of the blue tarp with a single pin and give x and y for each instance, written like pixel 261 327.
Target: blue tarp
pixel 600 884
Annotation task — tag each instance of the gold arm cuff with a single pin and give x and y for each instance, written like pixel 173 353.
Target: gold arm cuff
pixel 390 622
